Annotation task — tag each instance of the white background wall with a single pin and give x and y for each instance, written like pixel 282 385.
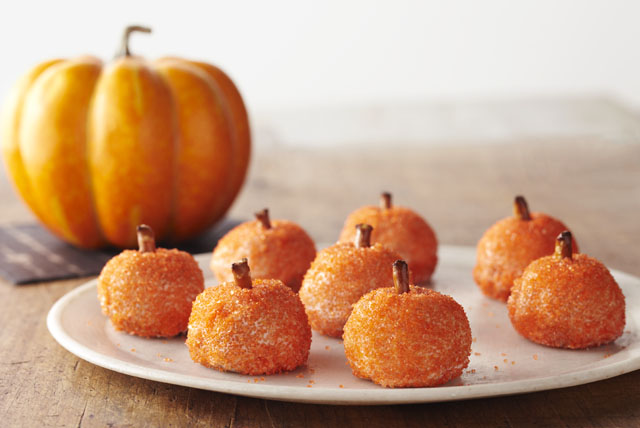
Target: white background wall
pixel 287 54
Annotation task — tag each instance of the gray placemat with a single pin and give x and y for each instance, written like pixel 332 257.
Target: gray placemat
pixel 29 253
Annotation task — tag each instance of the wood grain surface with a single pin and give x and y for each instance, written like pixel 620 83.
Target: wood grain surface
pixel 592 185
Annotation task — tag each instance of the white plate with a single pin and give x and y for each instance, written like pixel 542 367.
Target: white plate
pixel 502 362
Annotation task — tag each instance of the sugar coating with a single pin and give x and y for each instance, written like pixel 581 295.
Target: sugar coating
pixel 507 248
pixel 150 294
pixel 415 339
pixel 258 331
pixel 283 252
pixel 338 277
pixel 569 303
pixel 401 230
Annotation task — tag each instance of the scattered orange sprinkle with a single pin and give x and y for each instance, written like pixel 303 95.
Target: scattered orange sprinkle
pixel 341 386
pixel 133 349
pixel 497 325
pixel 607 355
pixel 88 322
pixel 477 353
pixel 535 356
pixel 309 386
pixel 164 340
pixel 312 381
pixel 503 354
pixel 300 376
pixel 505 360
pixel 262 379
pixel 255 380
pixel 327 347
pixel 495 368
pixel 491 314
pixel 168 360
pixel 248 380
pixel 473 370
pixel 312 371
pixel 474 339
pixel 513 362
pixel 118 345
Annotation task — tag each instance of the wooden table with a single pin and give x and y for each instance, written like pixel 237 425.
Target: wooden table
pixel 592 184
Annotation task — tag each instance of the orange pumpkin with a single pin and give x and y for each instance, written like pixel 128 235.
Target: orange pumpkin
pixel 95 149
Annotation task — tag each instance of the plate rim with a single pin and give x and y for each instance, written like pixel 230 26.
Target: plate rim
pixel 334 396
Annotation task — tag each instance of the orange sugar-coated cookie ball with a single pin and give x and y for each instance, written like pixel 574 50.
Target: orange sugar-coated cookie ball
pixel 249 326
pixel 401 230
pixel 407 336
pixel 276 249
pixel 149 292
pixel 567 301
pixel 510 245
pixel 340 275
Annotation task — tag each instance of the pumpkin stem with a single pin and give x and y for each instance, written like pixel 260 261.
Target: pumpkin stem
pixel 363 236
pixel 124 47
pixel 242 273
pixel 146 239
pixel 564 246
pixel 521 209
pixel 263 217
pixel 401 276
pixel 385 200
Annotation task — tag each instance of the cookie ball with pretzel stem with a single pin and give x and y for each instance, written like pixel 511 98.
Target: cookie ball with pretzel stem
pixel 253 327
pixel 340 275
pixel 276 249
pixel 507 248
pixel 567 300
pixel 407 336
pixel 149 292
pixel 400 229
